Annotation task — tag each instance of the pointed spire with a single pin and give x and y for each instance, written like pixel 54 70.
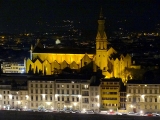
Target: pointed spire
pixel 101 14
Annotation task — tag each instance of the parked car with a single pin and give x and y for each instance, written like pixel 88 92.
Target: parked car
pixel 155 114
pixel 111 113
pixel 132 113
pixel 148 114
pixel 61 111
pixel 118 113
pixel 75 111
pixel 89 112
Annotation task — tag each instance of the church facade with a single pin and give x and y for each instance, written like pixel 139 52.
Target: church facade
pixel 51 60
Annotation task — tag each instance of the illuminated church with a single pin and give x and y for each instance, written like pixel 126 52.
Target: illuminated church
pixel 52 60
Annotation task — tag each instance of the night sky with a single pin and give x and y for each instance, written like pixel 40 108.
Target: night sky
pixel 21 15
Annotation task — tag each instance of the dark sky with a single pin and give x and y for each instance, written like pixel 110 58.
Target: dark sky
pixel 21 15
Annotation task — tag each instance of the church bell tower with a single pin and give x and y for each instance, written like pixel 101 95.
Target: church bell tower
pixel 101 44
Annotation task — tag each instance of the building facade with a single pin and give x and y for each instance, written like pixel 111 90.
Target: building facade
pixel 143 97
pixel 52 60
pixel 13 67
pixel 51 94
pixel 110 94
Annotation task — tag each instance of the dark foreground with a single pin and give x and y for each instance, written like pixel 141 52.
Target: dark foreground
pixel 17 115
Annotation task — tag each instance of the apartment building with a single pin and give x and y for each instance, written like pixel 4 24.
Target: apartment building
pixel 41 94
pixel 95 97
pixel 143 96
pixel 13 67
pixel 122 101
pixel 13 98
pixel 68 94
pixel 110 95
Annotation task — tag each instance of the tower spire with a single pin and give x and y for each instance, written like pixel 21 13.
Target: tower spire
pixel 101 14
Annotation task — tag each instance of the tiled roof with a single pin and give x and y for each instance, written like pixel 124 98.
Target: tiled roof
pixel 64 50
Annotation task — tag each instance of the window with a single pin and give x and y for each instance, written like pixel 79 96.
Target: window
pixel 155 99
pixel 155 107
pixel 77 91
pixel 31 90
pixel 41 91
pixel 72 86
pixel 67 98
pixel 85 86
pixel 51 98
pixel 58 92
pixel 72 91
pixel 36 85
pixel 77 99
pixel 85 63
pixel 72 98
pixel 58 98
pixel 41 98
pixel 67 91
pixel 129 90
pixel 77 86
pixel 62 91
pixel 150 91
pixel 46 97
pixel 45 91
pixel 92 105
pixel 129 99
pixel 67 86
pixel 145 99
pixel 134 90
pixel 50 91
pixel 36 91
pixel 150 99
pixel 62 98
pixel 36 98
pixel 31 98
pixel 145 91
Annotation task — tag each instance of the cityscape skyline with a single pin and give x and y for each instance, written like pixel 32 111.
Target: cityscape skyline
pixel 20 16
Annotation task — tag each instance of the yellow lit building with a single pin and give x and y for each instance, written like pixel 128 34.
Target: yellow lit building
pixel 110 95
pixel 52 60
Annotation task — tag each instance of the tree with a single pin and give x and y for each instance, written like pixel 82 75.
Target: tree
pixel 36 72
pixel 67 70
pixel 30 71
pixel 126 75
pixel 44 70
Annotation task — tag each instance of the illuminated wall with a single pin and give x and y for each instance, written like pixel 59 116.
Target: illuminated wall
pixel 51 63
pixel 109 94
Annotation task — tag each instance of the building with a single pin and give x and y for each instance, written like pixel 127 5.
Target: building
pixel 13 98
pixel 110 94
pixel 143 96
pixel 122 97
pixel 50 92
pixel 53 60
pixel 94 95
pixel 13 67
